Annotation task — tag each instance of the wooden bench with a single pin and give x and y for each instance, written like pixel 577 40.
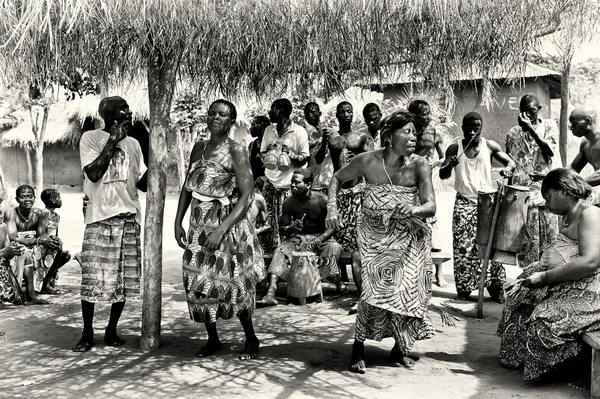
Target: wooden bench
pixel 346 259
pixel 592 338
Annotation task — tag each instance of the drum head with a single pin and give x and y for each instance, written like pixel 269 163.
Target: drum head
pixel 518 188
pixel 303 254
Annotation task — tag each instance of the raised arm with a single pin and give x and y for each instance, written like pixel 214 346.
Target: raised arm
pixel 450 161
pixel 502 157
pixel 98 167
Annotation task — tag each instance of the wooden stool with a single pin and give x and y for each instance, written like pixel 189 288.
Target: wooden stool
pixel 592 338
pixel 304 280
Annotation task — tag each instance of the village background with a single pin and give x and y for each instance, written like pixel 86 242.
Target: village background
pixel 305 350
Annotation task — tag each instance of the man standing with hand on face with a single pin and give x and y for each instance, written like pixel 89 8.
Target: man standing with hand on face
pixel 532 144
pixel 114 169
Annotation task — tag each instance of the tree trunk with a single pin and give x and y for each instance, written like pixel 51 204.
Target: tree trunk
pixel 563 140
pixel 162 72
pixel 29 166
pixel 39 154
pixel 180 158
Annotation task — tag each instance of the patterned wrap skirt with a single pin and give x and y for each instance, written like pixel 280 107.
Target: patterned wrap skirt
pixel 396 269
pixel 111 260
pixel 10 288
pixel 467 265
pixel 220 284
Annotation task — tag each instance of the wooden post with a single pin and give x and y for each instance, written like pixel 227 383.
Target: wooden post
pixel 563 135
pixel 488 251
pixel 162 72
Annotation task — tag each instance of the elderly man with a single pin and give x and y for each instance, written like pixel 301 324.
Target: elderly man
pixel 257 129
pixel 114 169
pixel 471 158
pixel 320 158
pixel 303 226
pixel 288 136
pixel 532 144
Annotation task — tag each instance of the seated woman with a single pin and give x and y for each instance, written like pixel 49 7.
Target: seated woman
pixel 554 301
pixel 10 289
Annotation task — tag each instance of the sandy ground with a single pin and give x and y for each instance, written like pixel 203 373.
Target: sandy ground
pixel 304 354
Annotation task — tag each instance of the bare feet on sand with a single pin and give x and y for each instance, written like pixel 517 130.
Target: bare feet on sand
pixel 398 357
pixel 583 384
pixel 463 295
pixel 440 280
pixel 112 339
pixel 85 343
pixel 210 348
pixel 250 349
pixel 50 291
pixel 37 301
pixel 267 300
pixel 357 359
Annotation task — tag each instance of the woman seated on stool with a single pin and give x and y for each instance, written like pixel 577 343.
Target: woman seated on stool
pixel 554 301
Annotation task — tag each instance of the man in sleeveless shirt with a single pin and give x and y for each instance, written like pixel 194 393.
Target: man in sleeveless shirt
pixel 471 158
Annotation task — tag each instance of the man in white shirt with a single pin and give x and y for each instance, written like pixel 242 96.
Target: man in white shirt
pixel 284 135
pixel 114 169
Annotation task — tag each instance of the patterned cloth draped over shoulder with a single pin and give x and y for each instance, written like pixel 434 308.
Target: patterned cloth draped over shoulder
pixel 219 283
pixel 541 328
pixel 396 269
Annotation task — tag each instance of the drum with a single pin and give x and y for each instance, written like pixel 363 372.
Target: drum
pixel 510 226
pixel 304 280
pixel 271 159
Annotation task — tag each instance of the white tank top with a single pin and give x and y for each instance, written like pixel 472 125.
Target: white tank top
pixel 473 175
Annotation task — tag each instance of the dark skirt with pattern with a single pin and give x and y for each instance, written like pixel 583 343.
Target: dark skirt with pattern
pixel 467 265
pixel 10 289
pixel 274 198
pixel 220 284
pixel 541 328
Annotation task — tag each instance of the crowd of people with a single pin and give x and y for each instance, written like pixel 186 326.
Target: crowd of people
pixel 310 188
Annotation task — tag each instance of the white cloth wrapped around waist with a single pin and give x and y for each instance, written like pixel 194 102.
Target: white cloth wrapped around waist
pixel 206 198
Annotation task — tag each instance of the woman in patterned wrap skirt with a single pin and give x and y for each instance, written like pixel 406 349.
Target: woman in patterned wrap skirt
pixel 555 300
pixel 222 262
pixel 394 241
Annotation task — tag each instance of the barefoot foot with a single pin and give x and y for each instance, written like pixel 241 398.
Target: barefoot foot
pixel 353 308
pixel 267 300
pixel 398 357
pixel 583 384
pixel 85 343
pixel 37 301
pixel 357 359
pixel 112 339
pixel 463 295
pixel 440 280
pixel 250 350
pixel 209 349
pixel 497 294
pixel 51 291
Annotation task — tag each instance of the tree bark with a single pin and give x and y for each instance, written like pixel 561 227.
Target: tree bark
pixel 39 153
pixel 563 140
pixel 29 166
pixel 162 72
pixel 181 170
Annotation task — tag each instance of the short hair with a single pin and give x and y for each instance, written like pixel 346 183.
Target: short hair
pixel 49 197
pixel 311 105
pixel 370 107
pixel 472 116
pixel 568 180
pixel 529 98
pixel 229 104
pixel 263 120
pixel 284 105
pixel 340 105
pixel 393 122
pixel 107 109
pixel 417 106
pixel 307 175
pixel 24 187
